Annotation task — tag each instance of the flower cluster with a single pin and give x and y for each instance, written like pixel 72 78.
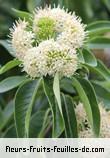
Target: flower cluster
pixel 85 130
pixel 21 38
pixel 48 45
pixel 49 57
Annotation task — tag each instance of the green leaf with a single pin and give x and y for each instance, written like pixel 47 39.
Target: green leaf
pixel 99 43
pixel 22 14
pixel 90 92
pixel 103 93
pixel 79 7
pixel 56 90
pixel 98 27
pixel 101 70
pixel 83 98
pixel 58 123
pixel 37 123
pixel 10 132
pixel 66 86
pixel 2 101
pixel 8 47
pixel 89 58
pixel 10 83
pixel 69 117
pixel 107 4
pixel 105 84
pixel 47 124
pixel 89 101
pixel 6 114
pixel 80 56
pixel 11 64
pixel 24 101
pixel 32 4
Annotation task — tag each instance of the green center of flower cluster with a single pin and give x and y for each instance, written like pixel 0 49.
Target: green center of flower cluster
pixel 46 28
pixel 56 55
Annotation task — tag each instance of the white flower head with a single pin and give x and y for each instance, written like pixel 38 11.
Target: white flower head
pixel 44 25
pixel 48 58
pixel 21 38
pixel 48 22
pixel 48 45
pixel 58 58
pixel 74 34
pixel 80 113
pixel 105 123
pixel 31 63
pixel 87 132
pixel 59 24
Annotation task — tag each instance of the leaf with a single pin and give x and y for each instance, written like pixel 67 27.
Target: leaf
pixel 22 14
pixel 37 123
pixel 32 4
pixel 83 98
pixel 58 123
pixel 10 132
pixel 90 92
pixel 105 84
pixel 98 27
pixel 8 47
pixel 2 102
pixel 80 56
pixel 90 105
pixel 24 101
pixel 46 124
pixel 101 70
pixel 6 5
pixel 66 86
pixel 56 90
pixel 99 43
pixel 11 82
pixel 6 114
pixel 11 64
pixel 102 93
pixel 69 117
pixel 89 58
pixel 107 4
pixel 73 5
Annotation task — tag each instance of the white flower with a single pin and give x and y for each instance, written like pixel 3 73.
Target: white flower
pixel 44 25
pixel 58 58
pixel 48 45
pixel 31 62
pixel 59 24
pixel 21 38
pixel 105 123
pixel 48 58
pixel 56 17
pixel 80 113
pixel 86 131
pixel 73 35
